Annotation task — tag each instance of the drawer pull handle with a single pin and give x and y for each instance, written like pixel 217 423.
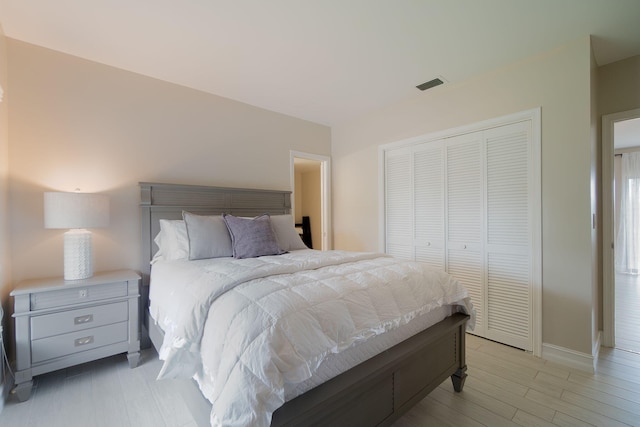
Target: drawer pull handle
pixel 83 319
pixel 84 341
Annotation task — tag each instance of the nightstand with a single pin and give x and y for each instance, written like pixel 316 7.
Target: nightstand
pixel 64 323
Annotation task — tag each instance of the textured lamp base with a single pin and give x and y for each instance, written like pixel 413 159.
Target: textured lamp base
pixel 78 259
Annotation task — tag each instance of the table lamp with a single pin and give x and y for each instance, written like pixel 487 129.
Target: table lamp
pixel 77 212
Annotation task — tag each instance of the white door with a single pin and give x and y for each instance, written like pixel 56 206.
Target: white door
pixel 465 218
pixel 428 196
pixel 399 203
pixel 508 235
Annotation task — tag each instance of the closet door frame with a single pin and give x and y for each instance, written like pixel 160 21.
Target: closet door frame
pixel 535 197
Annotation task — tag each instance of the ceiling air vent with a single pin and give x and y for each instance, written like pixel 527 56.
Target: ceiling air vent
pixel 430 84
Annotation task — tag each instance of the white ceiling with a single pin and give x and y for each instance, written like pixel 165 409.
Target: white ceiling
pixel 327 61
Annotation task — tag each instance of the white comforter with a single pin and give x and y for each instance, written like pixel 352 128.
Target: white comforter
pixel 278 317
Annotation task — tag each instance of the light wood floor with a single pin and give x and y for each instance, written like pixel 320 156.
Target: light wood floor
pixel 505 387
pixel 628 312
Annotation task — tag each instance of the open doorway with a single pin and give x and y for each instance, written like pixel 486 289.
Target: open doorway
pixel 626 220
pixel 310 181
pixel 621 227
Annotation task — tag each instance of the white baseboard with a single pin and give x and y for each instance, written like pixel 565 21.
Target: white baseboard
pixel 596 347
pixel 571 358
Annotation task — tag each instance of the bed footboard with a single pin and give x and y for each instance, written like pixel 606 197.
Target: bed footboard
pixel 380 390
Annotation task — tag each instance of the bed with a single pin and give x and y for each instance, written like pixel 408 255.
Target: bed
pixel 375 391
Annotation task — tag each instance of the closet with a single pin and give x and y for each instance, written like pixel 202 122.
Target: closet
pixel 468 202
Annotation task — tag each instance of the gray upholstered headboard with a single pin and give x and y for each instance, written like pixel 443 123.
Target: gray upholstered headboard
pixel 167 201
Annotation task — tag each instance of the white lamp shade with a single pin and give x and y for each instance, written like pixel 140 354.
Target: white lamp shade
pixel 75 210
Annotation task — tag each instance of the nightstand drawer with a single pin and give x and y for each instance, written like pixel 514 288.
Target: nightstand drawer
pixel 75 342
pixel 77 295
pixel 49 325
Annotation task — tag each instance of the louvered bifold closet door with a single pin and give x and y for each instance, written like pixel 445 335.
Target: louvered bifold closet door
pixel 428 190
pixel 399 203
pixel 508 247
pixel 465 217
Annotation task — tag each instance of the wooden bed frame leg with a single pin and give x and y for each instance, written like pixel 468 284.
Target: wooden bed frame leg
pixel 458 378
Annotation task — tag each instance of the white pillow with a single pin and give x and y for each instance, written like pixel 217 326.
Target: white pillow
pixel 208 236
pixel 286 234
pixel 172 240
pixel 161 242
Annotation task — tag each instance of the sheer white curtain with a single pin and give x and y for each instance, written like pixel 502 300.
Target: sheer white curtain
pixel 628 237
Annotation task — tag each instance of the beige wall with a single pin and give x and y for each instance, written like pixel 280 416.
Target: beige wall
pixel 557 81
pixel 80 124
pixel 308 200
pixel 312 204
pixel 298 193
pixel 619 86
pixel 5 265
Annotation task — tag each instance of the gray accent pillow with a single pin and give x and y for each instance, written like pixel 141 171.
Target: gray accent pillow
pixel 286 234
pixel 252 238
pixel 208 236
